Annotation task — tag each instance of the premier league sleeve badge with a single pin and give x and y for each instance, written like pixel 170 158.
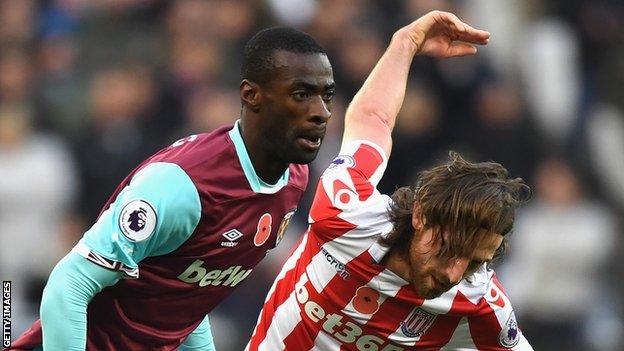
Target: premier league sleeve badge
pixel 137 220
pixel 509 336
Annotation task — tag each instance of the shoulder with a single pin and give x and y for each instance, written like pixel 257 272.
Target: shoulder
pixel 200 154
pixel 484 294
pixel 298 176
pixel 362 153
pixel 362 160
pixel 200 146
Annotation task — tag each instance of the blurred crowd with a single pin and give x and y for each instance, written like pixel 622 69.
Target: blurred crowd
pixel 90 88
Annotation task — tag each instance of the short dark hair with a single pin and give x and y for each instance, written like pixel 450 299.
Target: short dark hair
pixel 459 198
pixel 258 60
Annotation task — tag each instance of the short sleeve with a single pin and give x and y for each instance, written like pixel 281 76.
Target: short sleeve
pixel 349 180
pixel 362 157
pixel 494 326
pixel 155 214
pixel 347 198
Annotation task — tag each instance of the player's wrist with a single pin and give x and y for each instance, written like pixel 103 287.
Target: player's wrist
pixel 408 40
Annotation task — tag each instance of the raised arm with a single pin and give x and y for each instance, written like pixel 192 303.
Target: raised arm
pixel 374 108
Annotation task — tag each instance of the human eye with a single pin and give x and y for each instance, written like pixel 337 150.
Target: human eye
pixel 301 95
pixel 328 96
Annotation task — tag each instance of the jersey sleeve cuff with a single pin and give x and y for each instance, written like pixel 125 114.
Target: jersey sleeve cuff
pixel 363 156
pixel 351 146
pixel 86 252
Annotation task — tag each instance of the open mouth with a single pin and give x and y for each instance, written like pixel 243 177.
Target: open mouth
pixel 311 143
pixel 311 139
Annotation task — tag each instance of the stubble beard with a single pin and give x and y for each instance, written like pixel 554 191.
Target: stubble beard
pixel 420 281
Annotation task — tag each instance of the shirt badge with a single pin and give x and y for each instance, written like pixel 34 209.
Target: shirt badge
pixel 509 336
pixel 137 220
pixel 417 323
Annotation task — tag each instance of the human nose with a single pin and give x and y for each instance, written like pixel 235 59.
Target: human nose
pixel 320 111
pixel 456 269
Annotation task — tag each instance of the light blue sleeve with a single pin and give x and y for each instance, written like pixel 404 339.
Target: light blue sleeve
pixel 200 339
pixel 73 282
pixel 154 215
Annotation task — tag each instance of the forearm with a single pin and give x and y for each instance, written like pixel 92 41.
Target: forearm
pixel 71 286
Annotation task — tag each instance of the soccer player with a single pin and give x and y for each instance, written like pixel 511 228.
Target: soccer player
pixel 192 221
pixel 407 272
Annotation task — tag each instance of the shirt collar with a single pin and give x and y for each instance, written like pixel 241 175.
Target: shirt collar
pixel 257 184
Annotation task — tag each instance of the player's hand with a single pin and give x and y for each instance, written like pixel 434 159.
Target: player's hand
pixel 442 34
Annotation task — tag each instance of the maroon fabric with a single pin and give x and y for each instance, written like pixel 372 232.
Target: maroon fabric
pixel 30 339
pixel 158 310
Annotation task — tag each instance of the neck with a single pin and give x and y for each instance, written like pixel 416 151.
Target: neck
pixel 267 167
pixel 397 263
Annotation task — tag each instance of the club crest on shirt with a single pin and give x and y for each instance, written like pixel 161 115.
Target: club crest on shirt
pixel 137 220
pixel 282 228
pixel 342 160
pixel 417 323
pixel 509 336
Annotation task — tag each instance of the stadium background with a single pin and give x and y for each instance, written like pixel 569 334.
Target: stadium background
pixel 89 88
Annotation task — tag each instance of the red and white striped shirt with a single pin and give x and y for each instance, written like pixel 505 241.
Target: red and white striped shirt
pixel 332 293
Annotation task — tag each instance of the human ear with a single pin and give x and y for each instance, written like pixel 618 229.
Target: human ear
pixel 250 95
pixel 417 222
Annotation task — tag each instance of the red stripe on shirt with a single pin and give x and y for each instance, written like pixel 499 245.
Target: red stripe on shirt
pixel 367 160
pixel 282 291
pixel 323 207
pixel 394 311
pixel 442 329
pixel 363 186
pixel 485 328
pixel 303 335
pixel 335 296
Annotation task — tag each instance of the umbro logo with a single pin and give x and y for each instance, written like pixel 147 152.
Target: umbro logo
pixel 231 235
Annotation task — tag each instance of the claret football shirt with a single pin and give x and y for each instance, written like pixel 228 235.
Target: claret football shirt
pixel 185 228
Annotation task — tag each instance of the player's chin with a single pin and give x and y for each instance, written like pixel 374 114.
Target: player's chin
pixel 429 292
pixel 302 156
